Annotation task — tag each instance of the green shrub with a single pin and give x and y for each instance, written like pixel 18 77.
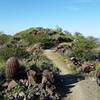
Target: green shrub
pixel 6 52
pixel 47 37
pixel 83 48
pixel 4 38
pixel 2 66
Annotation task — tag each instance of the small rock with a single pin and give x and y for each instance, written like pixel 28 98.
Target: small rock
pixel 21 94
pixel 11 85
pixel 37 93
pixel 5 84
pixel 21 80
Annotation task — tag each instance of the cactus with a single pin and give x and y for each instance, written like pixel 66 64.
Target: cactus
pixel 12 66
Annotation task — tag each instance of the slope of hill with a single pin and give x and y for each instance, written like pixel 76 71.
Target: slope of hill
pixel 41 48
pixel 16 45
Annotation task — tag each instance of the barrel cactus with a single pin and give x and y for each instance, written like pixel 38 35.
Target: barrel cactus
pixel 12 66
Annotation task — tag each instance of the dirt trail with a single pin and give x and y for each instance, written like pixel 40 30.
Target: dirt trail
pixel 58 61
pixel 83 90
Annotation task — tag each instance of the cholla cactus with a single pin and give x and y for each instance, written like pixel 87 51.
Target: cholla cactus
pixel 12 66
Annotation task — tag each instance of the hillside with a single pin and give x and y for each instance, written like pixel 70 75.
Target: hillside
pixel 39 49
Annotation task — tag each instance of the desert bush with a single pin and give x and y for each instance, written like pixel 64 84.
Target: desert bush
pixel 83 47
pixel 4 38
pixel 15 91
pixel 47 45
pixel 33 36
pixel 2 66
pixel 47 37
pixel 7 52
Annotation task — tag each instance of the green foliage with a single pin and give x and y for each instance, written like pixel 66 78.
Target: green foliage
pixel 35 39
pixel 65 45
pixel 83 47
pixel 15 91
pixel 19 88
pixel 43 36
pixel 41 61
pixel 4 38
pixel 80 46
pixel 5 53
pixel 2 66
pixel 33 36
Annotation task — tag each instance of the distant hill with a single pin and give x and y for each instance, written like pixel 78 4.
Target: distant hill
pixel 98 40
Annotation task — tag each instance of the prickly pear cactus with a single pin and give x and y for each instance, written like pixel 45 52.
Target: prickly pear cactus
pixel 12 66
